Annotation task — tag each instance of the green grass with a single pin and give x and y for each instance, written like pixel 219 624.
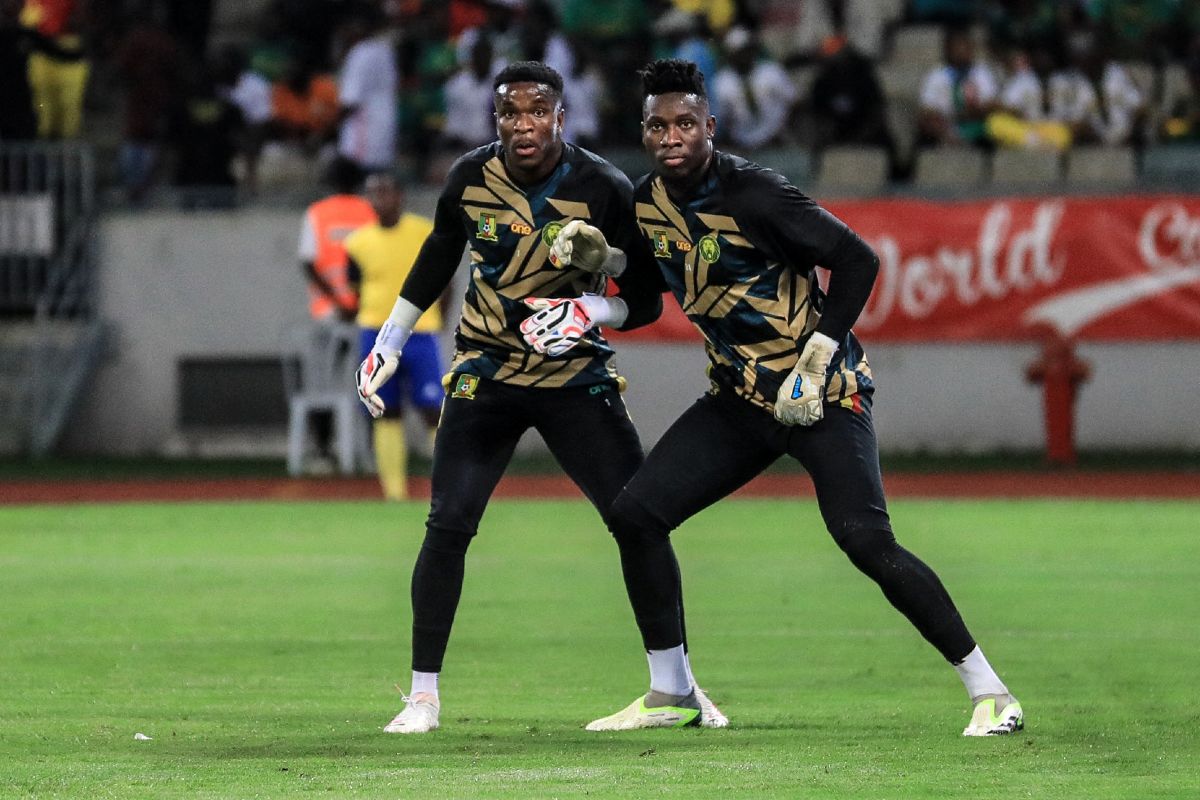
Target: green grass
pixel 258 644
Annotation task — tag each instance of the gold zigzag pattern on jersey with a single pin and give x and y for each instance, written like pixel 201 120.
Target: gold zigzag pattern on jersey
pixel 663 202
pixel 476 325
pixel 495 177
pixel 571 208
pixel 719 222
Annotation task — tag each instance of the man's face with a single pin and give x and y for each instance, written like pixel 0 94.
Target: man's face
pixel 529 120
pixel 677 132
pixel 384 196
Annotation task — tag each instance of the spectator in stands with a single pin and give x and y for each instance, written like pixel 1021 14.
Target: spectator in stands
pixel 848 103
pixel 1022 23
pixel 1095 96
pixel 148 60
pixel 686 36
pixel 860 21
pixel 250 93
pixel 583 95
pixel 433 62
pixel 717 16
pixel 58 67
pixel 367 93
pixel 17 122
pixel 1182 122
pixel 209 132
pixel 1023 119
pixel 469 108
pixel 540 39
pixel 500 26
pixel 755 93
pixel 956 96
pixel 304 106
pixel 618 31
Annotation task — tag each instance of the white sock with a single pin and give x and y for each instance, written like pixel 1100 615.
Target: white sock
pixel 978 676
pixel 425 682
pixel 669 671
pixel 687 664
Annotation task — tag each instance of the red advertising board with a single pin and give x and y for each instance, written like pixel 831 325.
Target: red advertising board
pixel 1006 269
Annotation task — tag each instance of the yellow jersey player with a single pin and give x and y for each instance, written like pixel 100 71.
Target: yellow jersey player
pixel 381 255
pixel 737 246
pixel 508 201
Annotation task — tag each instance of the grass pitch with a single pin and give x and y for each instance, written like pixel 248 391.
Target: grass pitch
pixel 257 645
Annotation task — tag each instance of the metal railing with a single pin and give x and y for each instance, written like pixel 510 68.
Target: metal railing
pixel 53 339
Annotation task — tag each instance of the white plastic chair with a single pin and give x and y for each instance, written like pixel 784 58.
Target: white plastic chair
pixel 318 372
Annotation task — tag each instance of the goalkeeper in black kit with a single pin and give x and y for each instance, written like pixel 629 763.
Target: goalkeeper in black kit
pixel 737 245
pixel 507 202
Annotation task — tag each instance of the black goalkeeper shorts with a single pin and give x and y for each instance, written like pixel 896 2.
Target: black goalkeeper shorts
pixel 587 429
pixel 722 441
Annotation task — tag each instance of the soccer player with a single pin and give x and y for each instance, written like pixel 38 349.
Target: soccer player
pixel 380 257
pixel 508 200
pixel 737 246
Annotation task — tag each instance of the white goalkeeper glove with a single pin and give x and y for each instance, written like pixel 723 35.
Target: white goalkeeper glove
pixel 561 323
pixel 380 364
pixel 801 398
pixel 584 247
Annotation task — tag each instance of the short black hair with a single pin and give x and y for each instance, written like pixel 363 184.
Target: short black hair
pixel 668 75
pixel 529 72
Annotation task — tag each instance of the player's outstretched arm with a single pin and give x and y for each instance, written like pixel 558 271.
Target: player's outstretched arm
pixel 560 323
pixel 380 364
pixel 584 247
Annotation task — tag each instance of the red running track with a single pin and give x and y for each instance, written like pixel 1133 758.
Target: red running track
pixel 1076 484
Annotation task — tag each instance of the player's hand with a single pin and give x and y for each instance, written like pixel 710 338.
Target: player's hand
pixel 559 324
pixel 584 247
pixel 801 398
pixel 379 365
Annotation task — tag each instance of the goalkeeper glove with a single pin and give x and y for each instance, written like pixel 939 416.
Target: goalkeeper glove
pixel 561 323
pixel 381 363
pixel 801 398
pixel 583 246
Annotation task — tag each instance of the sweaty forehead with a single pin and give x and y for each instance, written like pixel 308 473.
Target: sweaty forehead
pixel 675 104
pixel 526 92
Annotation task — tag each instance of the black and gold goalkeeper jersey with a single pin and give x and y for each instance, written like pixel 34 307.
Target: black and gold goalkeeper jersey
pixel 509 229
pixel 738 254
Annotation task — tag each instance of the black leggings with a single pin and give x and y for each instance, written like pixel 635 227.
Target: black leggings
pixel 717 446
pixel 589 433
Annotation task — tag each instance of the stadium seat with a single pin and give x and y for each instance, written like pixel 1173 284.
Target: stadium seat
pixel 1096 166
pixel 794 163
pixel 1175 167
pixel 853 170
pixel 901 82
pixel 318 362
pixel 951 168
pixel 1026 169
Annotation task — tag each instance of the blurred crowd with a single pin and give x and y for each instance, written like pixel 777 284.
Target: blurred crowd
pixel 374 82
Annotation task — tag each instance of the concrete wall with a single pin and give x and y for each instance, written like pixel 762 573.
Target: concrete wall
pixel 228 283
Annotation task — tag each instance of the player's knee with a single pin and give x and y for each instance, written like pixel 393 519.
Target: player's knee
pixel 631 522
pixel 447 541
pixel 865 542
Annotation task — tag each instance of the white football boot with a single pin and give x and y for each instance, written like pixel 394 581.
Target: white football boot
pixel 710 715
pixel 418 716
pixel 987 721
pixel 652 710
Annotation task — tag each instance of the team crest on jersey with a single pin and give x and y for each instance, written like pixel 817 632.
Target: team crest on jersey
pixel 465 386
pixel 710 251
pixel 550 232
pixel 487 227
pixel 662 245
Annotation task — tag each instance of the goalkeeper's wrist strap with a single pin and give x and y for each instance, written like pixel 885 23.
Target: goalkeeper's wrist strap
pixel 614 263
pixel 395 332
pixel 611 311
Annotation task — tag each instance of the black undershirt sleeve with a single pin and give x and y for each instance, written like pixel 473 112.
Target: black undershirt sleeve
pixel 442 251
pixel 792 229
pixel 641 285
